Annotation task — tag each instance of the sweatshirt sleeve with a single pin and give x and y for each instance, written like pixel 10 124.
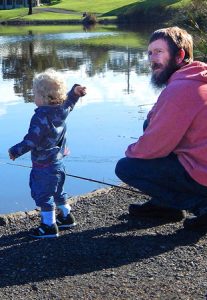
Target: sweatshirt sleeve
pixel 71 99
pixel 32 138
pixel 167 126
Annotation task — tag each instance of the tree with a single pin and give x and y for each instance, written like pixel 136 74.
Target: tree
pixel 30 7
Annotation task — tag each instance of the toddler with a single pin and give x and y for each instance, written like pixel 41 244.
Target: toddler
pixel 46 139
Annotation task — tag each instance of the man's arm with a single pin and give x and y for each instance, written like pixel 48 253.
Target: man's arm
pixel 171 118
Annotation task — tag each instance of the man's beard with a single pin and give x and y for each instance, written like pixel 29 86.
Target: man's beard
pixel 160 80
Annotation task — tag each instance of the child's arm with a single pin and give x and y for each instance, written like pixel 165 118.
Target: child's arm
pixel 73 96
pixel 30 141
pixel 11 156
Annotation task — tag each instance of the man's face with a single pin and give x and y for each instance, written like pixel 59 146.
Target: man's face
pixel 163 65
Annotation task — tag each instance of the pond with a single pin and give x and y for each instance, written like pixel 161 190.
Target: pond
pixel 112 64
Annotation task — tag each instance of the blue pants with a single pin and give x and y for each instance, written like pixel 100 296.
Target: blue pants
pixel 47 186
pixel 166 181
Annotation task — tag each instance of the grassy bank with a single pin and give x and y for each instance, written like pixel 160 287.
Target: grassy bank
pixel 110 9
pixel 150 11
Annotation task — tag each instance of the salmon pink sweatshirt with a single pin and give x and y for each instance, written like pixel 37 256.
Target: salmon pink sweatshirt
pixel 178 122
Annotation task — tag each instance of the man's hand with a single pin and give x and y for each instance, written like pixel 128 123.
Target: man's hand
pixel 80 90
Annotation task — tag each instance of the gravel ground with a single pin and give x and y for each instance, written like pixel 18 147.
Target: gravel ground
pixel 107 256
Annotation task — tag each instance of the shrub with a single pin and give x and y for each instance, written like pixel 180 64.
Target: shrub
pixel 89 19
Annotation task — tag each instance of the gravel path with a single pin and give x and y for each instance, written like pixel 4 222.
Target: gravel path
pixel 107 256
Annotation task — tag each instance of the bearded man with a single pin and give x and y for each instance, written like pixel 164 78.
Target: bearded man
pixel 169 161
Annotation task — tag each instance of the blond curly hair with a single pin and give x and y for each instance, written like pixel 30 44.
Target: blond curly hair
pixel 50 87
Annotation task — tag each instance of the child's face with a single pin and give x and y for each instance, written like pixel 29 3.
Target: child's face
pixel 38 101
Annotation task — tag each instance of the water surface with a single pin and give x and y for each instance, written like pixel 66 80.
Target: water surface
pixel 102 124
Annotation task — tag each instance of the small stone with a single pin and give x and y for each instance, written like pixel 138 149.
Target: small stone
pixel 3 220
pixel 34 287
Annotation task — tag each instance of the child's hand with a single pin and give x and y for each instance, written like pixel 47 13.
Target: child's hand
pixel 11 156
pixel 80 90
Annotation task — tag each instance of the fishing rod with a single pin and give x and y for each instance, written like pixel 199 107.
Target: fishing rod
pixel 82 178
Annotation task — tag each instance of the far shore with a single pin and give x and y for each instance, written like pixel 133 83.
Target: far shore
pixel 55 22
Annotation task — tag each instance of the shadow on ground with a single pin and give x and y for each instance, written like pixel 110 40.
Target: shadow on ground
pixel 24 260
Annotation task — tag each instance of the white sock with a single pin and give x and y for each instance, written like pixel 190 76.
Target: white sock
pixel 48 217
pixel 65 209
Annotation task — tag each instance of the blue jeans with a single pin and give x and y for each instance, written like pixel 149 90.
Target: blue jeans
pixel 166 181
pixel 47 186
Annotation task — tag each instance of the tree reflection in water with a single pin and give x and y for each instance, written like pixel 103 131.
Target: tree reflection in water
pixel 23 57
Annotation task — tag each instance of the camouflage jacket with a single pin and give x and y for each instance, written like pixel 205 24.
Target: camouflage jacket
pixel 46 137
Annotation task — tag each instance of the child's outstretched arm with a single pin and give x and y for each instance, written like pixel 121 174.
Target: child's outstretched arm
pixel 75 93
pixel 31 139
pixel 80 90
pixel 11 156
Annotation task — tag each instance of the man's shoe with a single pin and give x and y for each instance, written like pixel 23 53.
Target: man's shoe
pixel 65 222
pixel 45 231
pixel 196 223
pixel 153 211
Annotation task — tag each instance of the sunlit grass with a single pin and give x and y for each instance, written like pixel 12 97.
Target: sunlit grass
pixel 105 7
pixel 94 6
pixel 52 16
pixel 111 8
pixel 13 13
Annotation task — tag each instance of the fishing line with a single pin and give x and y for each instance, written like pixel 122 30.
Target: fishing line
pixel 82 178
pixel 145 104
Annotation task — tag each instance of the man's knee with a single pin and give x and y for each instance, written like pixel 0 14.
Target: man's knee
pixel 122 168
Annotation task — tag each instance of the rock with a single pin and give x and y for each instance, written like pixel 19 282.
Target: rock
pixel 3 220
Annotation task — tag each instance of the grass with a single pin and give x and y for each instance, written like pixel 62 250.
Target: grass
pixel 97 6
pixel 149 5
pixel 13 13
pixel 22 13
pixel 108 9
pixel 52 16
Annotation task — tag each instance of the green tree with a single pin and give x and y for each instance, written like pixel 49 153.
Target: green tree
pixel 30 7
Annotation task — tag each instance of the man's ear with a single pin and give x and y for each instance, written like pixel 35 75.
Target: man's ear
pixel 180 56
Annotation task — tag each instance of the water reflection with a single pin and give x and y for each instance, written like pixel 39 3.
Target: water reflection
pixel 101 126
pixel 22 57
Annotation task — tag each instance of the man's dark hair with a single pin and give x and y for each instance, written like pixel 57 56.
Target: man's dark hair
pixel 176 39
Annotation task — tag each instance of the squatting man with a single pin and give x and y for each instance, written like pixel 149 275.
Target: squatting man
pixel 169 160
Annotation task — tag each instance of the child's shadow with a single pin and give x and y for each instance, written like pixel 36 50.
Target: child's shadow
pixel 79 252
